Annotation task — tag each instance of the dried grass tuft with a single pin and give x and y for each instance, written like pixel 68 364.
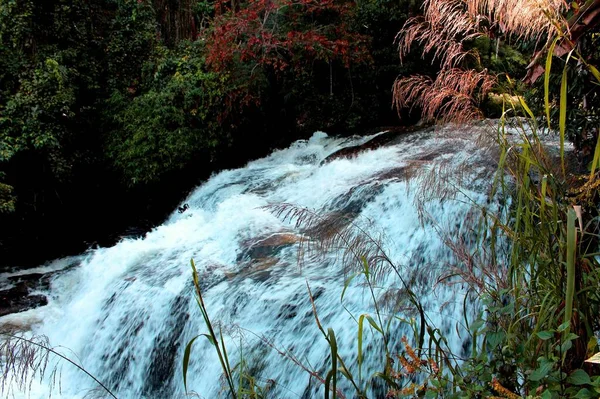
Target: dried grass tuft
pixel 22 361
pixel 445 30
pixel 453 96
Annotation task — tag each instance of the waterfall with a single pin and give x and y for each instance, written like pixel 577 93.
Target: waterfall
pixel 127 312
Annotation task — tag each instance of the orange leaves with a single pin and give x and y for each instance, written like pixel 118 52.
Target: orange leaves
pixel 412 366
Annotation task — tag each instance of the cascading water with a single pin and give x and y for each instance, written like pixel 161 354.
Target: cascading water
pixel 126 313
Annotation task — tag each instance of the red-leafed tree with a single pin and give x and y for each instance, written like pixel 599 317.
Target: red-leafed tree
pixel 260 41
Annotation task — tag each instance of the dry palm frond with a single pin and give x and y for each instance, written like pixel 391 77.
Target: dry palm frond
pixel 326 232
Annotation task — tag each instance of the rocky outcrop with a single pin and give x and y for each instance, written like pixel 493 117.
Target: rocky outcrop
pixel 19 299
pixel 262 248
pixel 388 137
pixel 262 253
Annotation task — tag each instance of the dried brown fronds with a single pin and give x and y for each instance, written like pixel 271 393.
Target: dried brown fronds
pixel 327 232
pixel 521 19
pixel 477 269
pixel 446 31
pixel 439 181
pixel 24 360
pixel 453 96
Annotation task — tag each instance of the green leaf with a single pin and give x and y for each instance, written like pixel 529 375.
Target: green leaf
pixel 545 335
pixel 346 285
pixel 210 339
pixel 373 323
pixel 328 383
pixel 360 342
pixel 594 72
pixel 562 116
pixel 571 336
pixel 547 80
pixel 334 359
pixel 528 110
pixel 476 325
pixel 542 371
pixel 586 394
pixel 596 161
pixel 571 249
pixel 579 377
pixel 563 326
pixel 495 339
pixel 186 361
pixel 431 394
pixel 566 346
pixel 345 373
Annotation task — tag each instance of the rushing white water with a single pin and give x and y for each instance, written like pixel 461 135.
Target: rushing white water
pixel 127 312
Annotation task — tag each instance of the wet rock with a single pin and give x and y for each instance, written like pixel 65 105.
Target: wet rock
pixel 267 247
pixel 33 281
pixel 261 254
pixel 389 137
pixel 18 299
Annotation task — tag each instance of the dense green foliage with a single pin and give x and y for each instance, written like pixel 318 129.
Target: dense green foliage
pixel 114 108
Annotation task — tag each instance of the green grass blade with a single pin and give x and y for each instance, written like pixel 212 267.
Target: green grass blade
pixel 209 338
pixel 543 197
pixel 346 285
pixel 594 72
pixel 596 161
pixel 547 80
pixel 571 248
pixel 328 383
pixel 528 110
pixel 562 118
pixel 334 359
pixel 361 320
pixel 186 361
pixel 373 323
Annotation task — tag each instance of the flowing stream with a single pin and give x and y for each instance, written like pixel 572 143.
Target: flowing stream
pixel 126 313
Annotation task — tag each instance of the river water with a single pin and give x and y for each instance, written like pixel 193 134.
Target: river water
pixel 126 313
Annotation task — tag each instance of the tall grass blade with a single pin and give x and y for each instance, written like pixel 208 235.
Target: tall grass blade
pixel 571 248
pixel 562 118
pixel 361 320
pixel 334 359
pixel 528 110
pixel 547 80
pixel 212 337
pixel 328 383
pixel 543 197
pixel 596 160
pixel 594 72
pixel 373 323
pixel 186 361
